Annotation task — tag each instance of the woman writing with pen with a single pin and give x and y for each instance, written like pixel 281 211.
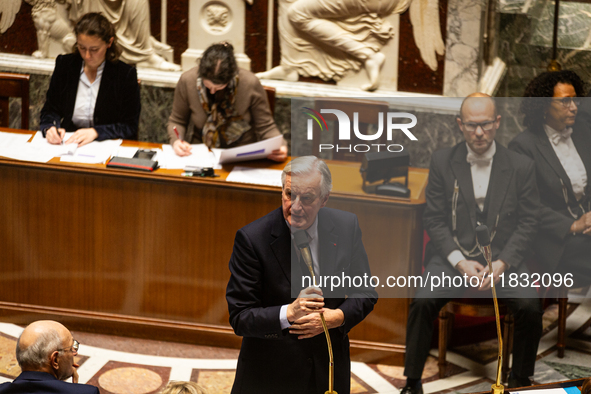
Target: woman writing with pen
pixel 227 106
pixel 92 92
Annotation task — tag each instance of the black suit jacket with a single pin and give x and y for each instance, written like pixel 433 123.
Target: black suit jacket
pixel 43 383
pixel 261 276
pixel 512 195
pixel 117 109
pixel 555 218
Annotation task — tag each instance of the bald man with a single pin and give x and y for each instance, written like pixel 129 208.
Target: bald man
pixel 477 182
pixel 45 352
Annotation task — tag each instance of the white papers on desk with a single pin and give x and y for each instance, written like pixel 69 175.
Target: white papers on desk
pixel 257 176
pixel 12 140
pixel 55 150
pixel 18 148
pixel 27 152
pixel 200 157
pixel 96 152
pixel 257 150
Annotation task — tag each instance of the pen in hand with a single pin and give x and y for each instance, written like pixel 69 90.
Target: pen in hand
pixel 58 132
pixel 182 148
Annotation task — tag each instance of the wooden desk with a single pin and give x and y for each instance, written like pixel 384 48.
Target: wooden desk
pixel 146 254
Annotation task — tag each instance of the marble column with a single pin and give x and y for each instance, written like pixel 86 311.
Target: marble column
pixel 462 53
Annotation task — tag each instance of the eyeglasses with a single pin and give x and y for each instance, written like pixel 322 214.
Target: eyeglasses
pixel 74 348
pixel 305 199
pixel 472 126
pixel 567 101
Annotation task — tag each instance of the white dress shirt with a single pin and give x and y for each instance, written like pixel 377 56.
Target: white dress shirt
pixel 480 167
pixel 86 98
pixel 312 232
pixel 563 145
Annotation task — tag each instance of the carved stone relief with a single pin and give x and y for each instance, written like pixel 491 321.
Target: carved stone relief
pixel 213 21
pixel 217 18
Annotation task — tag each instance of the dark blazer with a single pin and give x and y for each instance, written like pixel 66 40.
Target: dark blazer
pixel 44 383
pixel 512 195
pixel 555 219
pixel 117 109
pixel 272 360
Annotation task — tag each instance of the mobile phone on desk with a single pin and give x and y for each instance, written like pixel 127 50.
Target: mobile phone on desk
pixel 144 154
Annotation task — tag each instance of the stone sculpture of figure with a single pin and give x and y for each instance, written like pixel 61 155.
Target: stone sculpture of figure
pixel 131 18
pixel 324 38
pixel 50 23
pixel 8 11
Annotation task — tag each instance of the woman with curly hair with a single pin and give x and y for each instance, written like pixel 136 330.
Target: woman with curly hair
pixel 559 142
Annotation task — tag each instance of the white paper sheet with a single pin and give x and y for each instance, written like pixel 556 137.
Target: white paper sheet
pixel 257 150
pixel 200 157
pixel 27 152
pixel 94 153
pixel 12 140
pixel 257 176
pixel 55 150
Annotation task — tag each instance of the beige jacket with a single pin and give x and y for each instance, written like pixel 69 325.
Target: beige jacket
pixel 251 103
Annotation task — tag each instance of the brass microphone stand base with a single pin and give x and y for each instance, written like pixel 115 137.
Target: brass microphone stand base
pixel 330 392
pixel 497 389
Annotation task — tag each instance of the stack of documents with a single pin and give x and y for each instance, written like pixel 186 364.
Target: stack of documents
pixel 201 156
pixel 12 140
pixel 94 153
pixel 15 146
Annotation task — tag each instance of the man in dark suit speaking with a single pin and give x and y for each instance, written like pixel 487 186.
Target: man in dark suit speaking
pixel 45 352
pixel 477 182
pixel 284 347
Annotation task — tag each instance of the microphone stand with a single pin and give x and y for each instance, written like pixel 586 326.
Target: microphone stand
pixel 484 246
pixel 308 260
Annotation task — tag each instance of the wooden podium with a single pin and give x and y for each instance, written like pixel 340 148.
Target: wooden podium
pixel 146 254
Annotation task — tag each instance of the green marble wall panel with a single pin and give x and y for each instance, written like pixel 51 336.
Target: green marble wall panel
pixel 525 42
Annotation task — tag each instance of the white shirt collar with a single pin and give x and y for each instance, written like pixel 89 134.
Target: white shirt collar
pixel 99 73
pixel 550 131
pixel 489 154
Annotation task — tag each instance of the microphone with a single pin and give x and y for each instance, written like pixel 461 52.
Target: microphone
pixel 301 240
pixel 483 237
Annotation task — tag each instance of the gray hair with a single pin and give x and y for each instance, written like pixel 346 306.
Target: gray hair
pixel 179 387
pixel 306 165
pixel 37 355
